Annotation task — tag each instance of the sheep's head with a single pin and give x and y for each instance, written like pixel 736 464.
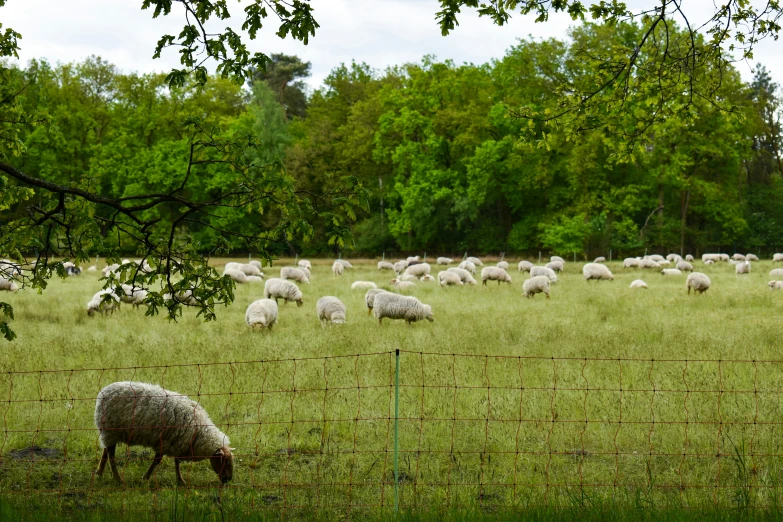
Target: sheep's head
pixel 299 302
pixel 91 312
pixel 428 313
pixel 222 463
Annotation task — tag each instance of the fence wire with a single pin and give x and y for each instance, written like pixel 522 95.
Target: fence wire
pixel 497 431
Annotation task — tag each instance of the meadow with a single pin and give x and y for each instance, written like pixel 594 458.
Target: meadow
pixel 600 394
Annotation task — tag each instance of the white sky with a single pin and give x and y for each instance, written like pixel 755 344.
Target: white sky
pixel 378 32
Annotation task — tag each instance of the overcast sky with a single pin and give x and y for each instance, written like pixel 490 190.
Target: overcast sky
pixel 378 32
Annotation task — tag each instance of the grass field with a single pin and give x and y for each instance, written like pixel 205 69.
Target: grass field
pixel 554 419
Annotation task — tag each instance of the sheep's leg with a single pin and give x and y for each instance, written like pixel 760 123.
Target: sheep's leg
pixel 113 462
pixel 155 461
pixel 547 296
pixel 369 311
pixel 484 282
pixel 380 321
pixel 180 481
pixel 102 463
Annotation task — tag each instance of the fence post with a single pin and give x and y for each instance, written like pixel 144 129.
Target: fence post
pixel 397 431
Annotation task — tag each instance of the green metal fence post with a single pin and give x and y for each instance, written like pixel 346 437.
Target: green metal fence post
pixel 397 432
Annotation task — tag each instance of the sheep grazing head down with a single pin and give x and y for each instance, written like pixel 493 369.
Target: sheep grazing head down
pixel 428 313
pixel 223 464
pixel 299 302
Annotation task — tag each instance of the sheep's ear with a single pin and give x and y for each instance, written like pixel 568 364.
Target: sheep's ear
pixel 219 453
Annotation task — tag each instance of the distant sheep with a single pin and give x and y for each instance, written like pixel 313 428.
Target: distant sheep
pixel 751 257
pixel 699 282
pixel 369 298
pixel 777 258
pixel 536 285
pixel 256 264
pixel 261 314
pixel 236 275
pixel 657 258
pixel 631 262
pixel 544 271
pixel 671 272
pixel 503 265
pixel 338 268
pixel 649 263
pixel 600 260
pixel 557 258
pixel 596 271
pixel 738 257
pixel 6 285
pixel 525 266
pixel 775 285
pixel 255 279
pixel 685 266
pixel 493 273
pixel 403 285
pixel 385 265
pixel 557 266
pixel 139 414
pixel 413 259
pixel 448 278
pixel 304 263
pixel 444 261
pixel 300 275
pixel 426 278
pixel 776 272
pixel 363 285
pixel 250 270
pixel 638 284
pixel 709 262
pixel 476 261
pixel 393 306
pixel 133 295
pixel 330 310
pixel 9 269
pixel 400 266
pixel 275 288
pixel 742 267
pixel 98 304
pixel 674 258
pixel 469 266
pixel 418 270
pixel 689 258
pixel 184 297
pixel 465 276
pixel 345 263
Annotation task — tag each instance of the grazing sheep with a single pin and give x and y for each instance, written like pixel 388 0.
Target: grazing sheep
pixel 300 275
pixel 743 267
pixel 139 414
pixel 469 266
pixel 777 258
pixel 503 265
pixel 261 314
pixel 255 279
pixel 402 285
pixel 671 272
pixel 233 266
pixel 275 288
pixel 674 258
pixel 751 257
pixel 710 257
pixel 444 261
pixel 600 259
pixel 10 269
pixel 256 264
pixel 738 257
pixel 110 269
pixel 557 266
pixel 413 259
pixel 236 275
pixel 776 272
pixel 304 263
pixel 369 298
pixel 345 263
pixel 385 265
pixel 542 270
pixel 685 266
pixel 465 276
pixel 418 270
pixel 400 266
pixel 657 258
pixel 330 310
pixel 97 303
pixel 363 285
pixel 631 262
pixel 426 278
pixel 525 266
pixel 476 261
pixel 92 268
pixel 709 262
pixel 557 258
pixel 689 258
pixel 73 271
pixel 185 297
pixel 638 283
pixel 449 278
pixel 393 306
pixel 697 281
pixel 250 270
pixel 133 295
pixel 536 285
pixel 597 271
pixel 6 285
pixel 775 285
pixel 649 263
pixel 493 273
pixel 338 268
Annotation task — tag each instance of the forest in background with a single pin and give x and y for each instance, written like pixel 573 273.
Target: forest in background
pixel 449 164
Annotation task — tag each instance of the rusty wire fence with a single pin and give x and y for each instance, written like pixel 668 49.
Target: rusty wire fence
pixel 418 430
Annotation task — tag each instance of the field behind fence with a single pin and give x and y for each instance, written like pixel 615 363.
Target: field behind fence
pixel 419 430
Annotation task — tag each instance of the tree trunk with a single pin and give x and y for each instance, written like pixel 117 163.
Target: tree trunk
pixel 686 196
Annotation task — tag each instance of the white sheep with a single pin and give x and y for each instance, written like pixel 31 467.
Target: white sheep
pixel 171 424
pixel 743 267
pixel 338 268
pixel 776 272
pixel 448 278
pixel 638 283
pixel 777 258
pixel 542 270
pixel 132 295
pixel 599 259
pixel 250 270
pixel 400 266
pixel 404 277
pixel 738 257
pixel 304 263
pixel 426 278
pixel 300 275
pixel 110 269
pixel 524 266
pixel 751 257
pixel 369 298
pixel 413 259
pixel 363 285
pixel 469 266
pixel 393 306
pixel 98 304
pixel 92 268
pixel 493 273
pixel 261 314
pixel 649 263
pixel 465 276
pixel 403 285
pixel 9 269
pixel 275 288
pixel 631 262
pixel 709 262
pixel 689 258
pixel 345 263
pixel 557 266
pixel 6 285
pixel 710 257
pixel 536 285
pixel 685 266
pixel 657 258
pixel 444 261
pixel 476 261
pixel 775 285
pixel 330 310
pixel 698 281
pixel 185 297
pixel 503 265
pixel 256 264
pixel 674 258
pixel 255 279
pixel 236 275
pixel 557 258
pixel 671 272
pixel 418 270
pixel 596 271
pixel 385 265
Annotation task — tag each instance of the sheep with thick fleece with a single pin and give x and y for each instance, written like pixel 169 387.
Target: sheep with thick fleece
pixel 476 261
pixel 418 270
pixel 600 259
pixel 557 266
pixel 171 424
pixel 233 266
pixel 465 276
pixel 738 257
pixel 237 276
pixel 524 266
pixel 597 271
pixel 751 257
pixel 345 263
pixel 369 298
pixel 444 261
pixel 250 270
pixel 638 283
pixel 394 306
pixel 775 285
pixel 743 267
pixel 699 282
pixel 448 278
pixel 256 264
pixel 98 304
pixel 9 269
pixel 338 268
pixel 413 259
pixel 657 258
pixel 275 288
pixel 403 286
pixel 304 263
pixel 185 297
pixel 776 272
pixel 536 285
pixel 6 285
pixel 493 273
pixel 385 265
pixel 255 279
pixel 400 266
pixel 671 272
pixel 132 295
pixel 542 270
pixel 777 258
pixel 689 258
pixel 649 263
pixel 363 285
pixel 503 265
pixel 674 258
pixel 631 262
pixel 685 266
pixel 261 314
pixel 426 278
pixel 469 266
pixel 557 258
pixel 330 310
pixel 300 275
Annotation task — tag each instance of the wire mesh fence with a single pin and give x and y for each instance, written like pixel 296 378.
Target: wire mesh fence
pixel 417 429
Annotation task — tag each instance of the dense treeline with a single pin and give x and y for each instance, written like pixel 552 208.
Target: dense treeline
pixel 448 164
